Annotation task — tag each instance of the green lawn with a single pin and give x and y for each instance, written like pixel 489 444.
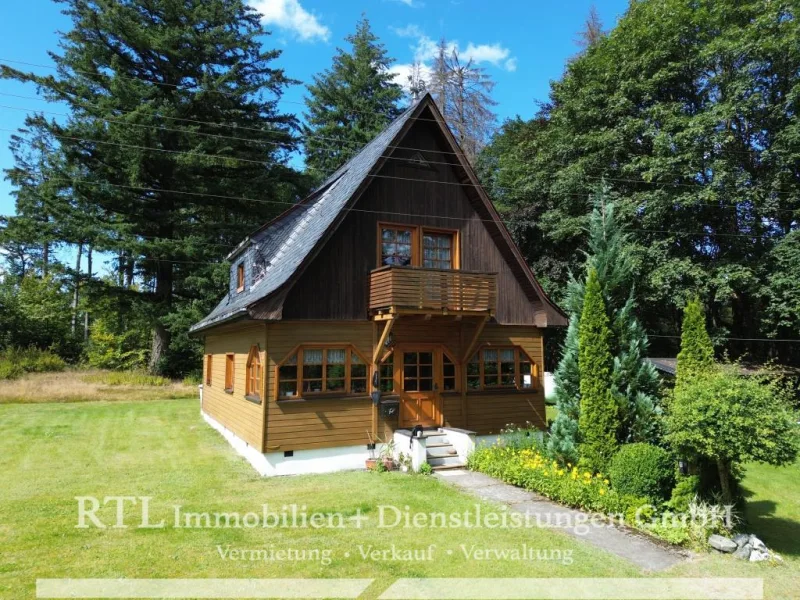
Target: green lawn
pixel 50 453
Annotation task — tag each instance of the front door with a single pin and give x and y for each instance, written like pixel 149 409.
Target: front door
pixel 419 387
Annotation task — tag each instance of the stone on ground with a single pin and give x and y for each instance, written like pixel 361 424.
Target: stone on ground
pixel 722 543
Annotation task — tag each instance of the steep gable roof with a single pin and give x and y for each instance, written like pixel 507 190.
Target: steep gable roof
pixel 285 245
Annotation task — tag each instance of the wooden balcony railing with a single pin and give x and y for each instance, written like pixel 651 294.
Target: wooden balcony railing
pixel 414 289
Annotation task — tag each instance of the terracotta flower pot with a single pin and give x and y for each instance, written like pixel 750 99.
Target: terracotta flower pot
pixel 388 463
pixel 370 463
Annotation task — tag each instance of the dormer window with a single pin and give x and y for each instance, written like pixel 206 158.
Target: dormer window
pixel 240 277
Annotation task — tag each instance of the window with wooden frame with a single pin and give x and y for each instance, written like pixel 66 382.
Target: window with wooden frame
pixel 229 364
pixel 437 249
pixel 507 367
pixel 417 246
pixel 449 374
pixel 209 366
pixel 240 277
pixel 254 375
pixel 386 374
pixel 312 369
pixel 398 246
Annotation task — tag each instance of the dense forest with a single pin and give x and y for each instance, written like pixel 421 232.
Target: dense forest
pixel 176 145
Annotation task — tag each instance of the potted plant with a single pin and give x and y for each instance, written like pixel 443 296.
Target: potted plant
pixel 372 461
pixel 387 455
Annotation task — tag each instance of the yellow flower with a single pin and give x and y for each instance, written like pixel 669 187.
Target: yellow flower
pixel 587 474
pixel 602 492
pixel 605 481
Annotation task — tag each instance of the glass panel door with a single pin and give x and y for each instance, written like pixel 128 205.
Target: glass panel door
pixel 437 250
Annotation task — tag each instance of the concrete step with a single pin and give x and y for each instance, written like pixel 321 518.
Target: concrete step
pixel 441 452
pixel 446 467
pixel 445 461
pixel 436 438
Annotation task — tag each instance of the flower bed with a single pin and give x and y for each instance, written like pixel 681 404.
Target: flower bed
pixel 530 468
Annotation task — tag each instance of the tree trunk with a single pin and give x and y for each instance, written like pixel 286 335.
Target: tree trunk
pixel 76 289
pixel 725 480
pixel 45 258
pixel 86 312
pixel 163 298
pixel 160 343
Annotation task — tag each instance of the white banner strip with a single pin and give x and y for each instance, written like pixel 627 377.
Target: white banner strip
pixel 201 588
pixel 577 589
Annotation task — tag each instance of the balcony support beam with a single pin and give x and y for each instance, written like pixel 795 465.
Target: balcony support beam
pixel 387 329
pixel 471 346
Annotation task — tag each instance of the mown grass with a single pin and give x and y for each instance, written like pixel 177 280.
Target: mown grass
pixel 49 454
pixel 90 386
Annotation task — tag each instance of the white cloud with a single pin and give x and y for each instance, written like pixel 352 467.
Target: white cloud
pixel 426 49
pixel 411 3
pixel 490 53
pixel 409 31
pixel 290 15
pixel 404 70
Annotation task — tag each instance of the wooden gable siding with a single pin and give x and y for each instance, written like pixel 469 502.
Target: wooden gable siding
pixel 344 421
pixel 241 416
pixel 336 283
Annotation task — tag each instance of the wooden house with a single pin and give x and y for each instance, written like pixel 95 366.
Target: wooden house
pixel 391 297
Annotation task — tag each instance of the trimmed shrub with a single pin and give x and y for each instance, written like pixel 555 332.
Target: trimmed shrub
pixel 685 491
pixel 643 470
pixel 599 419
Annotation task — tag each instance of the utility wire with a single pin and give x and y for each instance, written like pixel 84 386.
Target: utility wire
pixel 363 210
pixel 266 163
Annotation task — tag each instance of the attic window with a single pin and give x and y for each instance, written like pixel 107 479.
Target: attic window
pixel 240 277
pixel 418 160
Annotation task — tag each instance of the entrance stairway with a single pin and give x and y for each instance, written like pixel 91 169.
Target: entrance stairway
pixel 440 453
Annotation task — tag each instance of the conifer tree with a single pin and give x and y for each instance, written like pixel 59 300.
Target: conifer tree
pixel 599 419
pixel 634 381
pixel 697 351
pixel 173 106
pixel 350 103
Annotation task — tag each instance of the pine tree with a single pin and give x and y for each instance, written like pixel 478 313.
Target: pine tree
pixel 697 351
pixel 174 105
pixel 463 93
pixel 351 102
pixel 592 31
pixel 599 420
pixel 634 381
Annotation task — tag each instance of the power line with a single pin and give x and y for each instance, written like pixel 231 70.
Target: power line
pixel 189 88
pixel 363 210
pixel 734 339
pixel 284 145
pixel 265 163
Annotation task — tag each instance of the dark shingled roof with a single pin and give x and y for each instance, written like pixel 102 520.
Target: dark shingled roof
pixel 282 245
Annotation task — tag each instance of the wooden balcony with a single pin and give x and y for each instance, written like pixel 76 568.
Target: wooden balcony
pixel 414 290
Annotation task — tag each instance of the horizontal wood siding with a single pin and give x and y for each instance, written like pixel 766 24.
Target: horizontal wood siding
pixel 346 421
pixel 404 194
pixel 241 416
pixel 322 422
pixel 488 413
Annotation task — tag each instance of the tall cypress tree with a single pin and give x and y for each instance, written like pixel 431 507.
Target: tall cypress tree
pixel 697 351
pixel 351 102
pixel 634 381
pixel 599 418
pixel 170 99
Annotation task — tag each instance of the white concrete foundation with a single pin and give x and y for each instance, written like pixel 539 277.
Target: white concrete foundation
pixel 322 460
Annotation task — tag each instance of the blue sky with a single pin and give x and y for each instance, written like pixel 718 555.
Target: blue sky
pixel 522 44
